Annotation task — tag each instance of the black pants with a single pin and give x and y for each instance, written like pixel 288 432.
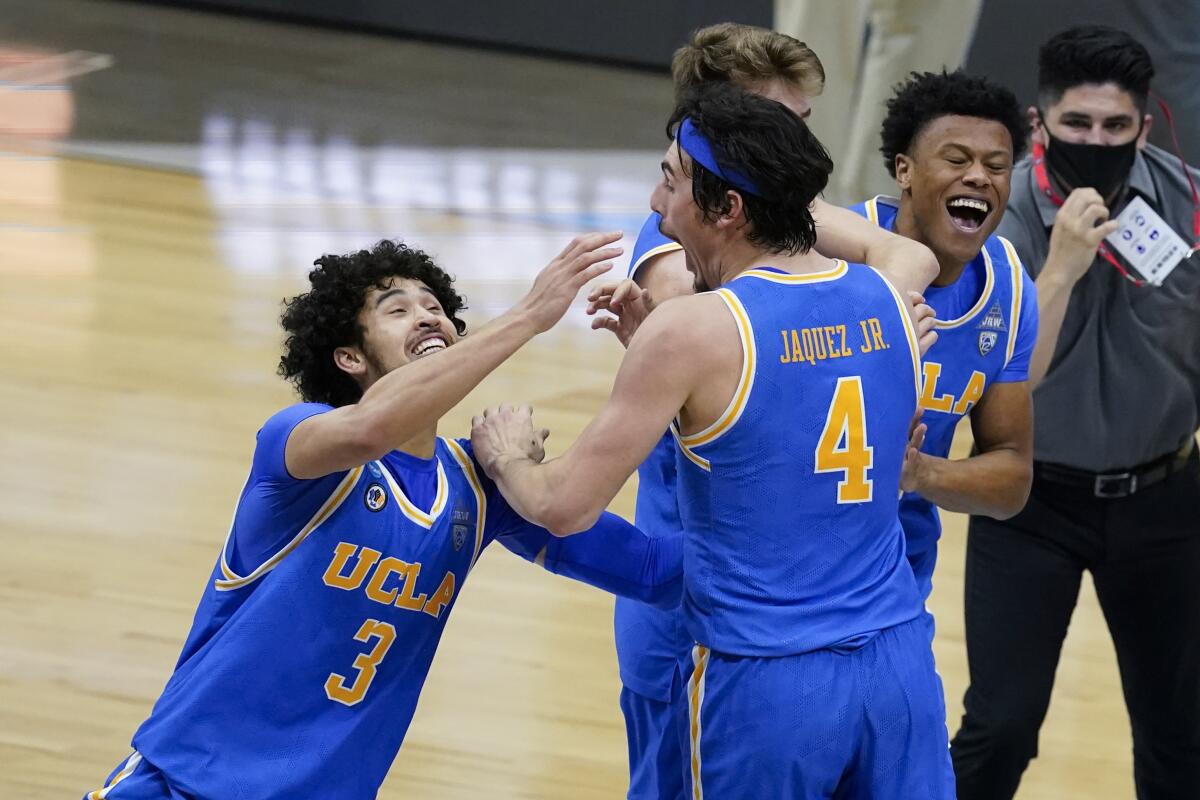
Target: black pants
pixel 1022 581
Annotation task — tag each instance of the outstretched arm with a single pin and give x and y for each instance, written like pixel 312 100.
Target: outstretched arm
pixel 403 403
pixel 568 494
pixel 909 265
pixel 612 555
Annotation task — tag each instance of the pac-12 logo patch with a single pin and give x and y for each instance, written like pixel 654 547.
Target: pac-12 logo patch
pixel 459 533
pixel 987 341
pixel 375 498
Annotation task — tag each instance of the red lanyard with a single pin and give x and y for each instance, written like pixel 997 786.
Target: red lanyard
pixel 1043 182
pixel 1183 166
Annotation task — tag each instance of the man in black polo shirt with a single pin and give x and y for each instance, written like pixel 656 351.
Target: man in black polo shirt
pixel 1116 481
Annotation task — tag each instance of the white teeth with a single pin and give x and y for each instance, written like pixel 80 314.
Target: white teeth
pixel 969 202
pixel 429 345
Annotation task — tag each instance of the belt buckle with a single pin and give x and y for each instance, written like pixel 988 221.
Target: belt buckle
pixel 1115 485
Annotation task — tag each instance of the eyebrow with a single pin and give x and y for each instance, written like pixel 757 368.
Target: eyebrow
pixel 1080 115
pixel 395 291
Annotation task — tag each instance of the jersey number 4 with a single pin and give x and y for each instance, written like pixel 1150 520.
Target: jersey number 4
pixel 335 685
pixel 843 444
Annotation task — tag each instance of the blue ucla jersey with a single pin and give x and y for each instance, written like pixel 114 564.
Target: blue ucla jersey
pixel 987 328
pixel 789 500
pixel 650 641
pixel 303 667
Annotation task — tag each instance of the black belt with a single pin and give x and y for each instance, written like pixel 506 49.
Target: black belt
pixel 1116 484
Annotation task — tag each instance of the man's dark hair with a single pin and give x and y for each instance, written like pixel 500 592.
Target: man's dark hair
pixel 926 96
pixel 326 316
pixel 1093 54
pixel 764 141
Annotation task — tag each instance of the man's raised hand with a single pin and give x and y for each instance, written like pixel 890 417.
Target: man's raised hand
pixel 556 286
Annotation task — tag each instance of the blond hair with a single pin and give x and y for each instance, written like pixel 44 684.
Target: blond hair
pixel 745 55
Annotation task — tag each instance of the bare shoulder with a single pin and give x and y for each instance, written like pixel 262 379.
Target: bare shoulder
pixel 698 327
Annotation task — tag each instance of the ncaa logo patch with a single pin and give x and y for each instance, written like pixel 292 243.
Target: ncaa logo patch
pixel 987 342
pixel 375 497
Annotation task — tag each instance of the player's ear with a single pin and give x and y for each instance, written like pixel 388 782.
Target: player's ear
pixel 1147 121
pixel 904 171
pixel 737 210
pixel 350 360
pixel 1037 126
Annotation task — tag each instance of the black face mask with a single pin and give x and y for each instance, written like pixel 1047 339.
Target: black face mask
pixel 1103 167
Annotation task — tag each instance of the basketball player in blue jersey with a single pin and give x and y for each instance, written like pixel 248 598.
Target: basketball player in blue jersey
pixel 950 141
pixel 352 538
pixel 792 380
pixel 650 641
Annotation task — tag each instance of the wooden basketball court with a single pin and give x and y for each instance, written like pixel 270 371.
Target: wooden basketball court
pixel 138 344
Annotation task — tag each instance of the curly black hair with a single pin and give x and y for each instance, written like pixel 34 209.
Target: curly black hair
pixel 1093 54
pixel 770 145
pixel 326 316
pixel 926 96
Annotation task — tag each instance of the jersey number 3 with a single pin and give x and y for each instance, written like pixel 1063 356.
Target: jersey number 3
pixel 843 444
pixel 335 685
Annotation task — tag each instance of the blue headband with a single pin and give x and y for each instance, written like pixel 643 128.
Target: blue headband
pixel 702 151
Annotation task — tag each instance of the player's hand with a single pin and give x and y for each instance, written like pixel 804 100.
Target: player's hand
pixel 911 472
pixel 924 316
pixel 627 303
pixel 556 286
pixel 1079 228
pixel 506 433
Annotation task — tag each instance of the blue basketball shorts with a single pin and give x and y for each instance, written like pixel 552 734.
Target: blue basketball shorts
pixel 836 723
pixel 657 736
pixel 135 779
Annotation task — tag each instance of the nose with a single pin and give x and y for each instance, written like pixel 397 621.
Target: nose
pixel 976 175
pixel 656 199
pixel 1095 135
pixel 427 319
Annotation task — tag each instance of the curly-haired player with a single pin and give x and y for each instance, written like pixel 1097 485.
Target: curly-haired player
pixel 352 537
pixel 950 140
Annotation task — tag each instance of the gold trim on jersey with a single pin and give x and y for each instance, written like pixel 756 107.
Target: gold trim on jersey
pixel 1018 284
pixel 127 769
pixel 696 683
pixel 910 333
pixel 872 207
pixel 234 581
pixel 984 296
pixel 410 509
pixel 839 269
pixel 468 468
pixel 741 395
pixel 699 461
pixel 662 249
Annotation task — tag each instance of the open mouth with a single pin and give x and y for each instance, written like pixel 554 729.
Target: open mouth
pixel 968 213
pixel 430 344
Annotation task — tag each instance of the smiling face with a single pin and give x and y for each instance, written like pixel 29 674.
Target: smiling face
pixel 401 323
pixel 956 180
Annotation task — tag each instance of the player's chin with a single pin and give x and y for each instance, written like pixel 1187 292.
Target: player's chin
pixel 961 243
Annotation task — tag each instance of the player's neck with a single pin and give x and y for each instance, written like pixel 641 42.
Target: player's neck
pixel 950 269
pixel 423 445
pixel 742 255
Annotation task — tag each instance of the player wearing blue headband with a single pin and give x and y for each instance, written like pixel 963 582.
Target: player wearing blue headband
pixel 649 641
pixel 789 383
